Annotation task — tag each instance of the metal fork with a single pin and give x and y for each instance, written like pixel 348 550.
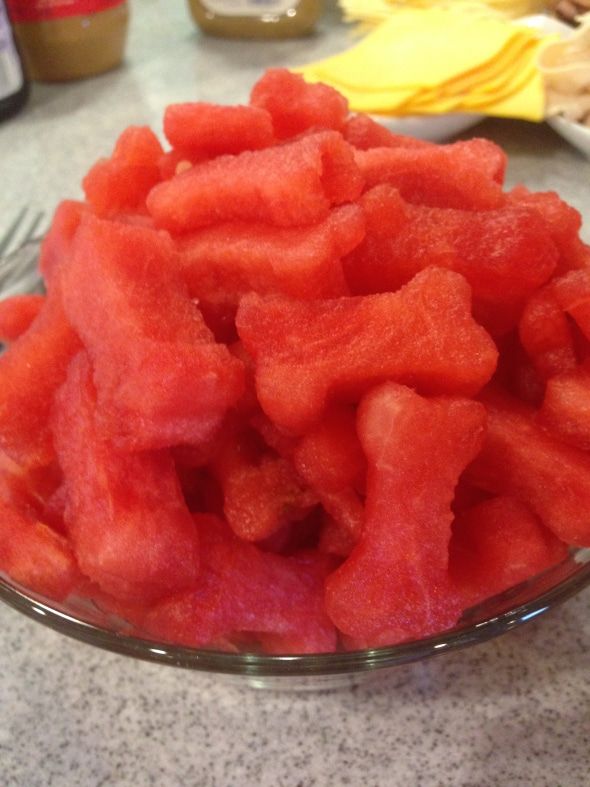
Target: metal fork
pixel 19 249
pixel 26 227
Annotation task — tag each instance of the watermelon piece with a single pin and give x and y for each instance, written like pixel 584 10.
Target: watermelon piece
pixel 581 343
pixel 497 544
pixel 343 522
pixel 56 247
pixel 28 490
pixel 220 318
pixel 297 106
pixel 200 455
pixel 245 590
pixel 566 406
pixel 546 334
pixel 53 511
pixel 330 456
pixel 467 496
pixel 521 459
pixel 121 183
pixel 307 354
pixel 288 185
pixel 193 463
pixel 200 489
pixel 464 175
pixel 395 584
pixel 330 459
pixel 247 405
pixel 280 442
pixel 17 314
pixel 131 531
pixel 161 378
pixel 261 491
pixel 114 613
pixel 296 536
pixel 364 133
pixel 505 254
pixel 572 292
pixel 214 129
pixel 563 221
pixel 224 262
pixel 516 372
pixel 31 370
pixel 35 556
pixel 387 215
pixel 527 384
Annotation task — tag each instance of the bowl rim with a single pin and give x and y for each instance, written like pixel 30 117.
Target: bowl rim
pixel 58 618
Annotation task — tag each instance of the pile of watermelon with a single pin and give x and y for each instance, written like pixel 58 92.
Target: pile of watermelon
pixel 297 383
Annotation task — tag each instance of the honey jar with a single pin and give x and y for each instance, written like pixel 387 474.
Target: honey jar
pixel 256 18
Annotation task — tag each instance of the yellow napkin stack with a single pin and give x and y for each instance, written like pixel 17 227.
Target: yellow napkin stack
pixel 435 60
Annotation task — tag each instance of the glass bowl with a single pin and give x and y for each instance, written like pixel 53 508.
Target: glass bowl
pixel 83 620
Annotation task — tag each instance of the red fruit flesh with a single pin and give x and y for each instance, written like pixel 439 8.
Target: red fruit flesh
pixel 130 529
pixel 307 354
pixel 289 185
pixel 161 378
pixel 395 584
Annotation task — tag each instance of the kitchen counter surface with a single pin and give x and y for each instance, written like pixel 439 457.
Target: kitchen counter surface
pixel 514 711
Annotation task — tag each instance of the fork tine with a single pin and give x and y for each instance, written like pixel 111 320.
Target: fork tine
pixel 30 235
pixel 11 231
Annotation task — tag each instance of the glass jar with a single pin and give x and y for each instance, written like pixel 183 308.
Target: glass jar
pixel 256 18
pixel 70 39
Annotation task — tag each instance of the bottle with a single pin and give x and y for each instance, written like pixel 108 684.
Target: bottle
pixel 256 18
pixel 14 87
pixel 70 39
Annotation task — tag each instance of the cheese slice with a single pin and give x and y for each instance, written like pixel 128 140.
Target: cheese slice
pixel 430 61
pixel 421 49
pixel 528 103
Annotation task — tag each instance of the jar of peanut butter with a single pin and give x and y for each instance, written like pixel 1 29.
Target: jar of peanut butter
pixel 256 18
pixel 70 39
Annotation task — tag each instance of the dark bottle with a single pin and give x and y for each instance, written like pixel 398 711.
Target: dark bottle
pixel 14 86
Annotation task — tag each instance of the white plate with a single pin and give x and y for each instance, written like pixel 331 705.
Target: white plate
pixel 575 133
pixel 434 128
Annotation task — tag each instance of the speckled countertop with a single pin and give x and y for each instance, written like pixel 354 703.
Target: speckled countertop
pixel 514 711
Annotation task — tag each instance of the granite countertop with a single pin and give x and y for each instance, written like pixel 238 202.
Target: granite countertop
pixel 514 711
